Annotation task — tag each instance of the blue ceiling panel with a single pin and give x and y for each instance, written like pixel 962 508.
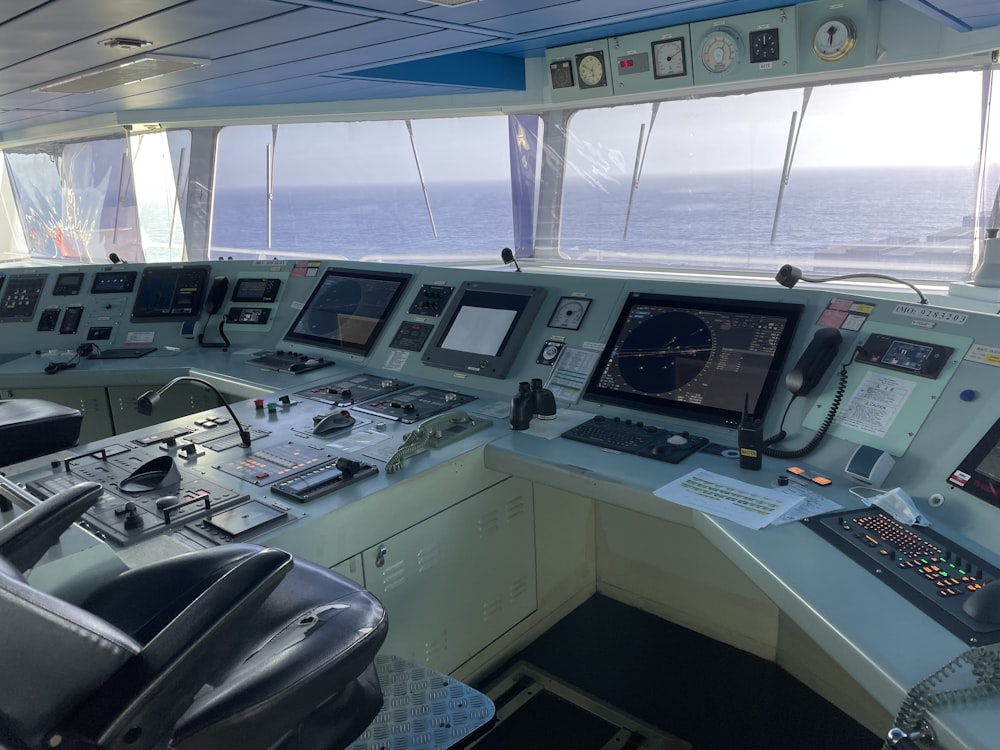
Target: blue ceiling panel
pixel 476 70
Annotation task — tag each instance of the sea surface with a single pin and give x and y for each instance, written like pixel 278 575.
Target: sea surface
pixel 911 221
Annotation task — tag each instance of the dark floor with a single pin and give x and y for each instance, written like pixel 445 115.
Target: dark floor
pixel 712 695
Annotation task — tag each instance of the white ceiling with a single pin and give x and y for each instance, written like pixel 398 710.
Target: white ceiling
pixel 305 51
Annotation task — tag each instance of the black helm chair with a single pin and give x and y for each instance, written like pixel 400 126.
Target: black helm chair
pixel 31 427
pixel 237 646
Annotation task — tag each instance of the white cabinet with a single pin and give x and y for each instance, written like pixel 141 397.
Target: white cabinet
pixel 457 581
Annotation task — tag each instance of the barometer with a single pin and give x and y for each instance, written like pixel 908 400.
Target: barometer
pixel 721 50
pixel 834 39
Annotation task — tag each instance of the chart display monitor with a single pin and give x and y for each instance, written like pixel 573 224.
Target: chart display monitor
pixel 485 328
pixel 694 357
pixel 169 293
pixel 348 309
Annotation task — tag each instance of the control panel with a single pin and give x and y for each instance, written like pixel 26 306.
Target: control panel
pixel 935 574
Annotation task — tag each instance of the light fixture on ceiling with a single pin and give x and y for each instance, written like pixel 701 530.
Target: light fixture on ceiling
pixel 449 2
pixel 119 73
pixel 121 42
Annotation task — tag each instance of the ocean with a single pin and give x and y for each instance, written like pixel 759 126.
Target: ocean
pixel 912 221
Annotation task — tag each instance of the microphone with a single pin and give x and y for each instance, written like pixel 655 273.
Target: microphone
pixel 147 402
pixel 789 276
pixel 507 256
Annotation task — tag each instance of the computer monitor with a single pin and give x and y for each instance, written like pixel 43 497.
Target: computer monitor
pixel 694 357
pixel 348 309
pixel 170 293
pixel 484 328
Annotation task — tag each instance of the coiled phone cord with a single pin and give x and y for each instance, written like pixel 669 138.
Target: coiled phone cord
pixel 413 443
pixel 838 396
pixel 985 663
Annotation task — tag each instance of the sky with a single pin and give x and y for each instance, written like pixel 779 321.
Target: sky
pixel 918 120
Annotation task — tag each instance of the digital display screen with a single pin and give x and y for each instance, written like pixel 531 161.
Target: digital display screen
pixel 67 284
pixel 979 472
pixel 348 309
pixel 256 290
pixel 694 357
pixel 170 293
pixel 113 282
pixel 19 300
pixel 485 328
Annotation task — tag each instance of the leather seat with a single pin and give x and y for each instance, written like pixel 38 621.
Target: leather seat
pixel 238 646
pixel 31 427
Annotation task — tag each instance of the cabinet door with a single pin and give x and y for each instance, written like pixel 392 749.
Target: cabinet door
pixel 92 403
pixel 457 581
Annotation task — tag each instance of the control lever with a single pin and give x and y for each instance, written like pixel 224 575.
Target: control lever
pixel 908 740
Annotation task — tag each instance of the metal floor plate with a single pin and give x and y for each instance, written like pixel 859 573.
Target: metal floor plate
pixel 422 709
pixel 536 710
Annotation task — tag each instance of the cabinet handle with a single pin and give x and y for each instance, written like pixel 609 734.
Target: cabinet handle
pixel 380 557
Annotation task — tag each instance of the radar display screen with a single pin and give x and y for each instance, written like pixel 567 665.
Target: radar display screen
pixel 694 357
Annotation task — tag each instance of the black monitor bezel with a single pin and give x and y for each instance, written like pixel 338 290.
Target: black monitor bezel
pixel 150 315
pixel 789 312
pixel 530 299
pixel 340 345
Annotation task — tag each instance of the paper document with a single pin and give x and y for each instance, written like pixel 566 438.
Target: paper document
pixel 746 504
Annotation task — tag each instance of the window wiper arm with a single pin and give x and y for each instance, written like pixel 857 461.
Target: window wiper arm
pixel 793 141
pixel 640 161
pixel 420 174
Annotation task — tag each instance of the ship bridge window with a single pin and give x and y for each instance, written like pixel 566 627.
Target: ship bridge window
pixel 84 201
pixel 875 175
pixel 425 190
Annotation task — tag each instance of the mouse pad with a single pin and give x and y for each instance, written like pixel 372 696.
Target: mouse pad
pixel 130 353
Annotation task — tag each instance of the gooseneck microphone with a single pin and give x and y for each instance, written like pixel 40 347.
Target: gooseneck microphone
pixel 147 402
pixel 789 276
pixel 507 256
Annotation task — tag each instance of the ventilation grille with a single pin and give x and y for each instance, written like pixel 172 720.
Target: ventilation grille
pixel 119 74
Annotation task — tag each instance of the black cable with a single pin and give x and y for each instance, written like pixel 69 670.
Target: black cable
pixel 838 396
pixel 224 344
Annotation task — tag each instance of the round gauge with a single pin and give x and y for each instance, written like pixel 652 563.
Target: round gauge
pixel 569 313
pixel 650 364
pixel 590 69
pixel 721 50
pixel 668 58
pixel 835 39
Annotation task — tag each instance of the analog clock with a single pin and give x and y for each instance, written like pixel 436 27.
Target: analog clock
pixel 668 58
pixel 590 70
pixel 721 50
pixel 834 39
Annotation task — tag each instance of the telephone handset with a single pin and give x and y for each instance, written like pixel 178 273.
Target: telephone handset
pixel 433 433
pixel 815 360
pixel 213 303
pixel 420 439
pixel 216 294
pixel 801 379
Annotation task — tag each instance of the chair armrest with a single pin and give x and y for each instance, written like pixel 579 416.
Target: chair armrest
pixel 25 539
pixel 150 693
